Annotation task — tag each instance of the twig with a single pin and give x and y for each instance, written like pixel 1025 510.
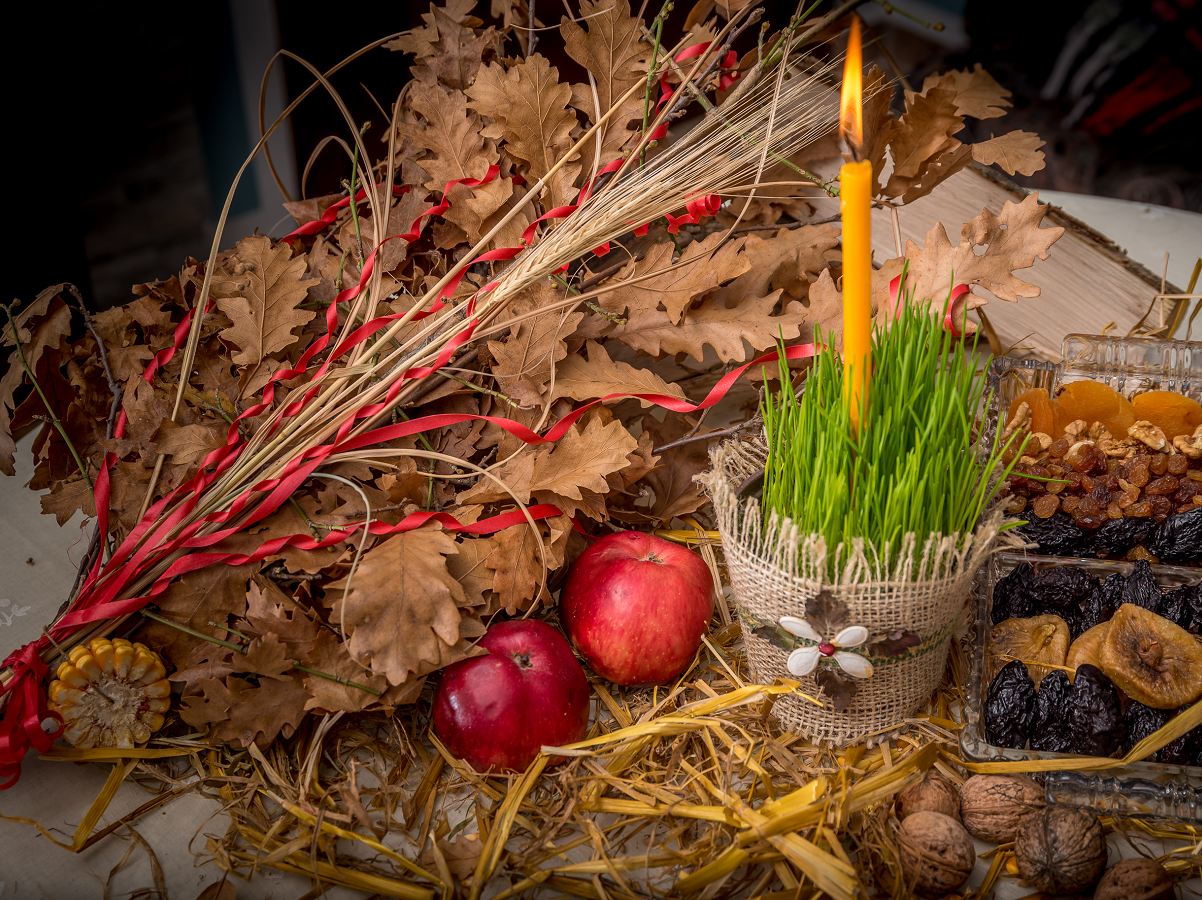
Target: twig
pixel 466 359
pixel 114 387
pixel 709 435
pixel 780 225
pixel 890 8
pixel 212 640
pixel 531 37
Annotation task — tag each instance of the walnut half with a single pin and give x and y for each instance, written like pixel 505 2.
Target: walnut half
pixel 1149 434
pixel 111 694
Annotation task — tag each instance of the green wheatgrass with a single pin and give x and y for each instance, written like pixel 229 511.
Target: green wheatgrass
pixel 915 465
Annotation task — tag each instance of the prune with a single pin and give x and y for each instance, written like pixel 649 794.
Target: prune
pixel 1185 751
pixel 1057 535
pixel 1183 607
pixel 1116 536
pixel 1049 732
pixel 1094 720
pixel 1139 721
pixel 1178 538
pixel 1009 709
pixel 1012 594
pixel 1140 587
pixel 1061 587
pixel 1105 599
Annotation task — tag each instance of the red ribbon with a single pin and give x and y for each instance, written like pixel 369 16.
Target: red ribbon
pixel 948 320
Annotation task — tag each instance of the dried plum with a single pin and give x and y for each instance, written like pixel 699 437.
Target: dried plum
pixel 1186 750
pixel 1009 709
pixel 1178 538
pixel 1049 732
pixel 1141 588
pixel 1139 721
pixel 1183 607
pixel 1094 720
pixel 1151 659
pixel 1116 536
pixel 1062 587
pixel 1012 594
pixel 1101 604
pixel 1056 536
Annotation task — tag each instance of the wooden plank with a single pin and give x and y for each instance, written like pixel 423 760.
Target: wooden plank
pixel 1085 283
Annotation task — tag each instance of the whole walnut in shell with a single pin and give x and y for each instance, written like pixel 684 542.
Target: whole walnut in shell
pixel 1135 879
pixel 934 793
pixel 1060 849
pixel 991 806
pixel 937 855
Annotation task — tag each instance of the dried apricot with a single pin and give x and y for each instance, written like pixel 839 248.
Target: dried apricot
pixel 1093 401
pixel 1042 418
pixel 1172 413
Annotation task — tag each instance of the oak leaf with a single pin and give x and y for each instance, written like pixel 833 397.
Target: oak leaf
pixel 613 51
pixel 188 445
pixel 403 608
pixel 331 656
pixel 237 711
pixel 41 325
pixel 266 655
pixel 67 498
pixel 469 566
pixel 519 572
pixel 879 124
pixel 977 93
pixel 1016 152
pixel 447 48
pixel 599 376
pixel 789 260
pixel 261 292
pixel 923 134
pixel 530 107
pixel 522 363
pixel 676 493
pixel 211 594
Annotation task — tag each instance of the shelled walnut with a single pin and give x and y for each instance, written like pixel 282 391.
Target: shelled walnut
pixel 111 694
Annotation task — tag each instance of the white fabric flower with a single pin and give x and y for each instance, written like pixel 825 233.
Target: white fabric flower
pixel 804 660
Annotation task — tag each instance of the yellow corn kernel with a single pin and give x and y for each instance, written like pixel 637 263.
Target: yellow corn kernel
pixel 1012 866
pixel 123 657
pixel 102 652
pixel 159 704
pixel 160 688
pixel 142 663
pixel 72 676
pixel 87 665
pixel 152 720
pixel 77 652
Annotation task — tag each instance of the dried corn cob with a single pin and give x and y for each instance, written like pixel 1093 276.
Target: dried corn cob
pixel 111 694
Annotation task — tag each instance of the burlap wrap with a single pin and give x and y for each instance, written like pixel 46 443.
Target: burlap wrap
pixel 774 571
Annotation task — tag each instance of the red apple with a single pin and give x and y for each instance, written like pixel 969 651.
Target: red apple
pixel 636 607
pixel 497 711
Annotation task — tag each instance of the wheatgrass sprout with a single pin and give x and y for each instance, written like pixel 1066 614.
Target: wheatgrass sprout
pixel 915 466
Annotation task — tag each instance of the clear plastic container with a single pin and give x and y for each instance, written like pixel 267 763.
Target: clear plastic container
pixel 1139 789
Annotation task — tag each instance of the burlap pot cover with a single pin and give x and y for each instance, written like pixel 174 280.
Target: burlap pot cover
pixel 775 571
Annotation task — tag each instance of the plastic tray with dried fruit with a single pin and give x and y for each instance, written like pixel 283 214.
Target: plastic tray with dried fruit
pixel 1144 789
pixel 1117 428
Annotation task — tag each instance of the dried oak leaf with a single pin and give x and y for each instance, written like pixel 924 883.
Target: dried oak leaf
pixel 522 363
pixel 1011 240
pixel 841 690
pixel 188 445
pixel 266 655
pixel 469 566
pixel 67 498
pixel 613 51
pixel 520 576
pixel 260 292
pixel 211 594
pixel 976 92
pixel 599 376
pixel 238 712
pixel 331 656
pixel 706 265
pixel 923 134
pixel 790 260
pixel 447 48
pixel 879 124
pixel 403 609
pixel 530 107
pixel 1015 152
pixel 676 493
pixel 400 218
pixel 828 614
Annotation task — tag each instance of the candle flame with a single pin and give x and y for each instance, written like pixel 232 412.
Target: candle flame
pixel 851 119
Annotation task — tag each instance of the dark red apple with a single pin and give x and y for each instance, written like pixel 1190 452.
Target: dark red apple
pixel 497 711
pixel 636 607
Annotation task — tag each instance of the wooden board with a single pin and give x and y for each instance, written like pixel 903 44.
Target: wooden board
pixel 1085 283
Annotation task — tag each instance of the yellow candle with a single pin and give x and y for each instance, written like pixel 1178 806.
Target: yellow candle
pixel 855 205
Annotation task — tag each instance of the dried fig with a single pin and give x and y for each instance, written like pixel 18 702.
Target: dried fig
pixel 937 855
pixel 1085 649
pixel 1060 849
pixel 1039 639
pixel 991 806
pixel 934 793
pixel 1135 879
pixel 1151 659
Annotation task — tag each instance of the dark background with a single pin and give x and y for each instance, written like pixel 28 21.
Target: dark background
pixel 128 120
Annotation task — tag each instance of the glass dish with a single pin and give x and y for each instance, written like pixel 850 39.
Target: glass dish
pixel 1140 789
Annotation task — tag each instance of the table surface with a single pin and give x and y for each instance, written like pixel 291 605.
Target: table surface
pixel 37 568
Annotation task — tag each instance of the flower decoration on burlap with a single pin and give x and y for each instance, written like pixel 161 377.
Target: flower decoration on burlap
pixel 804 660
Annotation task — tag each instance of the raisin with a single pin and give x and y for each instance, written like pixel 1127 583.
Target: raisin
pixel 1088 459
pixel 1161 507
pixel 1093 719
pixel 1009 709
pixel 1070 503
pixel 1110 481
pixel 1165 485
pixel 1178 539
pixel 1114 511
pixel 1046 505
pixel 1140 587
pixel 1056 536
pixel 1051 703
pixel 1177 464
pixel 1183 607
pixel 1128 497
pixel 1012 595
pixel 1088 506
pixel 1159 464
pixel 1058 448
pixel 1141 509
pixel 1185 751
pixel 1090 522
pixel 1138 471
pixel 1187 492
pixel 1139 721
pixel 1101 604
pixel 1101 496
pixel 1116 536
